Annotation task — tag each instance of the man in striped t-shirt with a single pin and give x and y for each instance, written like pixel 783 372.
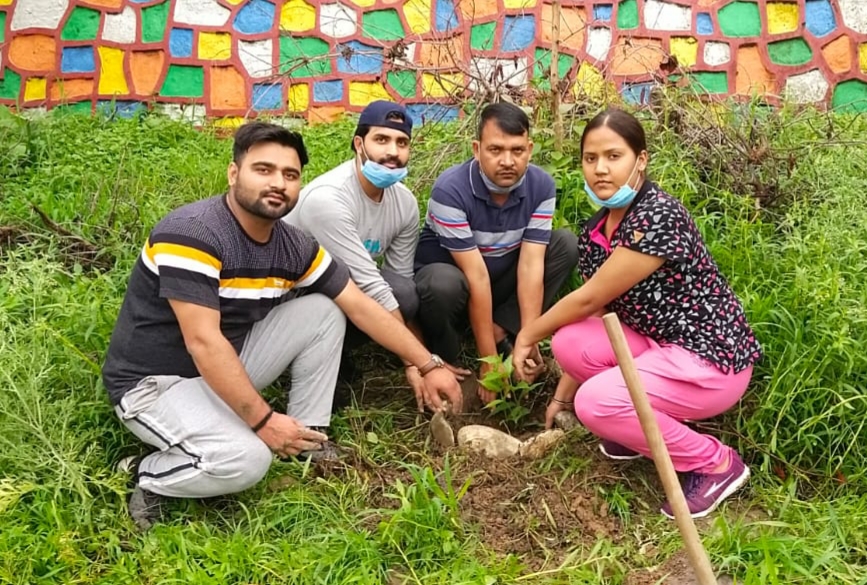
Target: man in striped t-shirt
pixel 223 298
pixel 487 247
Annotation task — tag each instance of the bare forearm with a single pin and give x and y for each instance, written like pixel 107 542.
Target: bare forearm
pixel 530 291
pixel 566 388
pixel 391 334
pixel 222 370
pixel 481 313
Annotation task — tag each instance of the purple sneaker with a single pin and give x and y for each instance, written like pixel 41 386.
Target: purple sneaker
pixel 705 491
pixel 617 451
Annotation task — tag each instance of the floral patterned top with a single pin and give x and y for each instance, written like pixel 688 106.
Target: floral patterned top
pixel 686 302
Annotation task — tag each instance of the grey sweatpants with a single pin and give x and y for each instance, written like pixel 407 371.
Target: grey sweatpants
pixel 205 449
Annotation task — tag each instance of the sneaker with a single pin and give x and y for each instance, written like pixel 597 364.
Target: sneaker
pixel 705 491
pixel 145 507
pixel 617 451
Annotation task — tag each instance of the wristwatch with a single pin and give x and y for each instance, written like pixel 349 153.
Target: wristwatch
pixel 435 362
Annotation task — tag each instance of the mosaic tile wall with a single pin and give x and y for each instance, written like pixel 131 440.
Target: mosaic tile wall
pixel 232 58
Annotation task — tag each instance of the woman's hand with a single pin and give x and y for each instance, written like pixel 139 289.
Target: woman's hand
pixel 554 407
pixel 527 360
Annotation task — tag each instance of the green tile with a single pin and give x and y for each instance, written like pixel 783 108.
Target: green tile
pixel 10 85
pixel 711 82
pixel 403 82
pixel 740 19
pixel 85 107
pixel 82 25
pixel 184 81
pixel 790 52
pixel 382 25
pixel 627 14
pixel 153 22
pixel 542 67
pixel 482 36
pixel 849 96
pixel 2 26
pixel 304 56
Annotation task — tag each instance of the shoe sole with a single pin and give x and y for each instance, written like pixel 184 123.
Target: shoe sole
pixel 733 487
pixel 619 457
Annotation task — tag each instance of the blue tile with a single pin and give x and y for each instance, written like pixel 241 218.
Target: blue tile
pixel 355 57
pixel 267 96
pixel 328 91
pixel 125 110
pixel 181 42
pixel 637 93
pixel 820 17
pixel 446 17
pixel 704 24
pixel 424 113
pixel 77 60
pixel 256 17
pixel 603 12
pixel 518 32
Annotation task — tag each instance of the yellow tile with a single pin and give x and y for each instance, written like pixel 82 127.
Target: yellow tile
pixel 112 79
pixel 297 16
pixel 299 97
pixel 441 85
pixel 418 15
pixel 34 89
pixel 215 46
pixel 234 2
pixel 362 93
pixel 364 3
pixel 862 56
pixel 229 122
pixel 782 17
pixel 518 4
pixel 589 82
pixel 685 50
pixel 5 2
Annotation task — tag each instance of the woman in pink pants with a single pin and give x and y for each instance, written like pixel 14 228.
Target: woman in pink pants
pixel 643 258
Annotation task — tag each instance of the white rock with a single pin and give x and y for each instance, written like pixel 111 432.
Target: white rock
pixel 665 16
pixel 195 114
pixel 337 20
pixel 599 42
pixel 717 53
pixel 121 27
pixel 201 12
pixel 540 445
pixel 807 87
pixel 854 14
pixel 256 57
pixel 496 73
pixel 441 430
pixel 566 420
pixel 488 441
pixel 38 14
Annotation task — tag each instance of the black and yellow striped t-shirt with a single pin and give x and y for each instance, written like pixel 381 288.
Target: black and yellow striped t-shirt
pixel 200 254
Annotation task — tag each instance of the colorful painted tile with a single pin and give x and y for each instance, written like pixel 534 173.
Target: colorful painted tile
pixel 685 50
pixel 328 91
pixel 850 96
pixel 181 42
pixel 418 15
pixel 82 25
pixel 542 67
pixel 752 77
pixel 740 19
pixel 783 17
pixel 146 68
pixel 255 17
pixel 337 20
pixel 33 52
pixel 77 60
pixel 112 76
pixel 518 32
pixel 153 22
pixel 403 83
pixel 362 93
pixel 445 16
pixel 215 46
pixel 603 12
pixel 304 56
pixel 790 52
pixel 297 16
pixel 356 57
pixel 704 24
pixel 228 89
pixel 35 89
pixel 573 23
pixel 820 17
pixel 667 16
pixel 10 85
pixel 382 25
pixel 122 27
pixel 627 15
pixel 482 36
pixel 299 97
pixel 599 42
pixel 257 57
pixel 184 81
pixel 838 54
pixel 425 113
pixel 714 82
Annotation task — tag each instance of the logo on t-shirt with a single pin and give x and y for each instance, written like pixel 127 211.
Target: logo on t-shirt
pixel 373 247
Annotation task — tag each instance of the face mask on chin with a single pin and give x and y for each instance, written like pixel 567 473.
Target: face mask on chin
pixel 623 197
pixel 381 176
pixel 494 188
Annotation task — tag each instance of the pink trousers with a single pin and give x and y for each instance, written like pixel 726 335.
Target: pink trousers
pixel 680 385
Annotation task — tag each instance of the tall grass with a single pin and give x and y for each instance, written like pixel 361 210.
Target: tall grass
pixel 797 262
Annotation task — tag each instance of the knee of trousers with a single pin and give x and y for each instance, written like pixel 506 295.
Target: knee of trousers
pixel 407 300
pixel 571 357
pixel 329 313
pixel 447 287
pixel 595 409
pixel 563 248
pixel 241 469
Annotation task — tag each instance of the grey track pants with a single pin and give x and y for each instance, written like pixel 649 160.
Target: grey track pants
pixel 205 449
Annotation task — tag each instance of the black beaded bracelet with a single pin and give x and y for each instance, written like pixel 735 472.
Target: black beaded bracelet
pixel 558 401
pixel 261 424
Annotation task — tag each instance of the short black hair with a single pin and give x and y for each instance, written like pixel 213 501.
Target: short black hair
pixel 508 117
pixel 364 129
pixel 253 133
pixel 623 123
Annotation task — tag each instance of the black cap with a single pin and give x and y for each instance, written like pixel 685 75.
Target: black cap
pixel 376 114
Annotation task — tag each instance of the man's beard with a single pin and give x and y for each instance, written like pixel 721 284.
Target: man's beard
pixel 255 204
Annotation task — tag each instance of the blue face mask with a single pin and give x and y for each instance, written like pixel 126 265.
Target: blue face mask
pixel 494 188
pixel 624 196
pixel 382 176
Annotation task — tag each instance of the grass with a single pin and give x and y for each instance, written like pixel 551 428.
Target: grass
pixel 797 261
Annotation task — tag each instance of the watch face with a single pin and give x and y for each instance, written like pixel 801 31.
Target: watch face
pixel 437 360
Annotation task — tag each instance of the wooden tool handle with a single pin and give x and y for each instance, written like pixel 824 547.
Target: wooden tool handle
pixel 694 549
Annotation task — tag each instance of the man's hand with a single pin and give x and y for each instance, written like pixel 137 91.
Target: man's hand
pixel 527 360
pixel 416 382
pixel 486 395
pixel 460 373
pixel 439 384
pixel 286 436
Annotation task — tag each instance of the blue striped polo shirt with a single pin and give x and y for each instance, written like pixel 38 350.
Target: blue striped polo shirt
pixel 462 216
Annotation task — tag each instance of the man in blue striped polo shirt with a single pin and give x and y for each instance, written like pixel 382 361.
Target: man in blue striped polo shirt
pixel 487 250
